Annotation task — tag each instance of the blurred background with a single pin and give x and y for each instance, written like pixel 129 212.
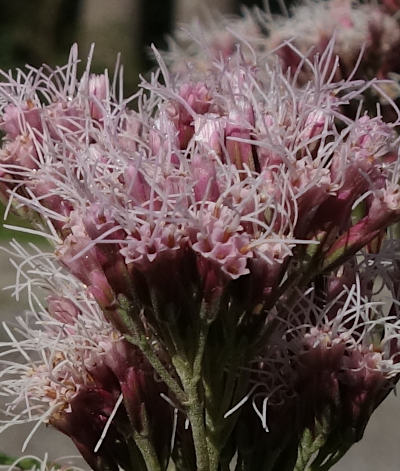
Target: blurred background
pixel 42 31
pixel 34 32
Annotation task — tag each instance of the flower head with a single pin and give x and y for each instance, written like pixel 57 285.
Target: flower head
pixel 228 209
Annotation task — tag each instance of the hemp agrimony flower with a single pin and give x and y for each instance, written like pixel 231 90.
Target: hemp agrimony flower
pixel 215 253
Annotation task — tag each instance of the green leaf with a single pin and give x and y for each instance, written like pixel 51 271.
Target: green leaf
pixel 24 463
pixel 6 460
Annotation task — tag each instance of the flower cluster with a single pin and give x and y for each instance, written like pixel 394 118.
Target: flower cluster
pixel 360 28
pixel 364 37
pixel 77 369
pixel 208 248
pixel 328 365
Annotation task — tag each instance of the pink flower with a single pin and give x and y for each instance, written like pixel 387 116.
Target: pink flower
pixel 221 233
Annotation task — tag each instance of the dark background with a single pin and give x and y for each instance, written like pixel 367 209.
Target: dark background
pixel 42 31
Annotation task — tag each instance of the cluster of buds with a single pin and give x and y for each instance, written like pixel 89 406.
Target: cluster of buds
pixel 78 373
pixel 203 244
pixel 329 363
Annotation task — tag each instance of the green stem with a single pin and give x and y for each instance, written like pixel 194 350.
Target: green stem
pixel 198 359
pixel 142 343
pixel 190 373
pixel 213 449
pixel 147 450
pixel 196 417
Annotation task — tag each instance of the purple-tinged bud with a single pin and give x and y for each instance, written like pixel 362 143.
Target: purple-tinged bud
pixel 98 93
pixel 62 309
pixel 205 178
pixel 86 268
pixel 84 423
pixel 384 210
pixel 371 140
pixel 64 118
pixel 314 125
pixel 164 136
pixel 343 277
pixel 98 220
pixel 140 389
pixel 213 280
pixel 313 185
pixel 101 290
pixel 210 132
pixel 364 385
pixel 46 192
pixel 198 101
pixel 131 132
pixel 197 96
pixel 271 272
pixel 137 186
pixel 20 152
pixel 267 156
pixel 17 119
pixel 317 382
pixel 101 267
pixel 238 127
